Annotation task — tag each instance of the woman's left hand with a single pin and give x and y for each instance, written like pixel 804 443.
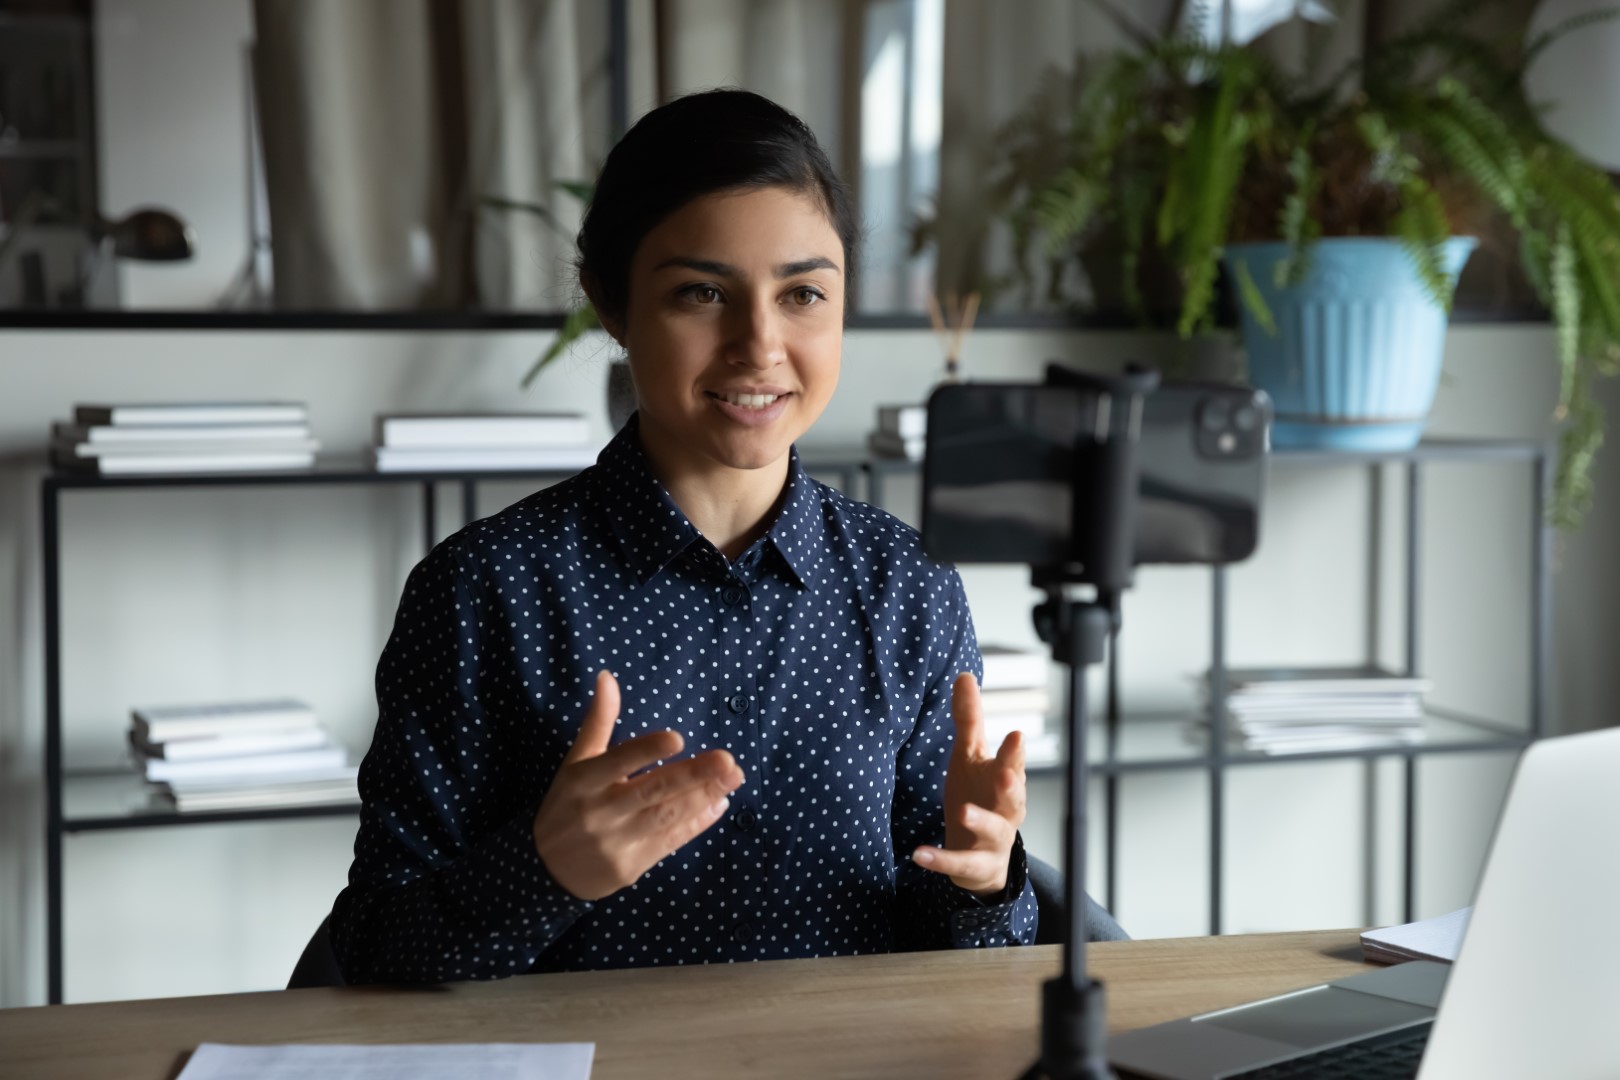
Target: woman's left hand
pixel 984 800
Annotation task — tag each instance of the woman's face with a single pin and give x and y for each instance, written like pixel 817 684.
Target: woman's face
pixel 734 327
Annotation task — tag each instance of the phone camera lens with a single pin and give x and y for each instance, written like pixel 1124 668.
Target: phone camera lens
pixel 1215 415
pixel 1245 418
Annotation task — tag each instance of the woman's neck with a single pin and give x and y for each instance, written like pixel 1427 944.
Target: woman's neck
pixel 731 507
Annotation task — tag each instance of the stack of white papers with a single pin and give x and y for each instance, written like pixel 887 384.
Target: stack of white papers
pixel 233 755
pixel 1280 711
pixel 1438 938
pixel 1015 697
pixel 487 1061
pixel 189 437
pixel 442 442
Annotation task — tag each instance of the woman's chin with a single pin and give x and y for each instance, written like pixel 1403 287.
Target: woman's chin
pixel 758 450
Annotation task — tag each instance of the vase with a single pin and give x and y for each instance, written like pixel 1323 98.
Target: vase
pixel 1355 358
pixel 621 394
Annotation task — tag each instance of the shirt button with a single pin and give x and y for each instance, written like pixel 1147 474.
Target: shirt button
pixel 731 595
pixel 738 703
pixel 745 819
pixel 744 933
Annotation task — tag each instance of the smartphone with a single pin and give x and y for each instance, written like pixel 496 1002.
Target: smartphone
pixel 997 474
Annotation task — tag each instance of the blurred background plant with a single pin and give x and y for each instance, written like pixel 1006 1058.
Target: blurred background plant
pixel 1138 168
pixel 580 319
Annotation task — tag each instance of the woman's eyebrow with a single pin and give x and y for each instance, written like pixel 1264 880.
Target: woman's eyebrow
pixel 720 269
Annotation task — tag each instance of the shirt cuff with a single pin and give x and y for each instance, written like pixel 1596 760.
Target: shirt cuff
pixel 1008 919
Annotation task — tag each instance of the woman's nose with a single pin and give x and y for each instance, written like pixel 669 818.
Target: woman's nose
pixel 758 341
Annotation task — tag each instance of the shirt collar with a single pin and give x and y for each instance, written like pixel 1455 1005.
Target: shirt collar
pixel 652 531
pixel 799 532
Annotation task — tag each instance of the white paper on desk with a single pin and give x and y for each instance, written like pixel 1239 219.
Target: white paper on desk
pixel 1439 939
pixel 484 1061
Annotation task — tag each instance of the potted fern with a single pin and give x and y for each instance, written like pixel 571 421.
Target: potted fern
pixel 1341 212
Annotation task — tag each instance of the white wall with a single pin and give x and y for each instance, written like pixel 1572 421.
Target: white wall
pixel 174 594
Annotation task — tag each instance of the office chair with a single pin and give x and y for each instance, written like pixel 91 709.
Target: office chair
pixel 1052 927
pixel 318 965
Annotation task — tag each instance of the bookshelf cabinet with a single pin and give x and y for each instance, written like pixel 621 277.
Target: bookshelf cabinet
pixel 78 801
pixel 1140 743
pixel 81 802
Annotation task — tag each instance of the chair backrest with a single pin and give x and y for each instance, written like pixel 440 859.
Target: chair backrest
pixel 318 966
pixel 1052 926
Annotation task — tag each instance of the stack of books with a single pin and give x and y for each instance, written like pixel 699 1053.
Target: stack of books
pixel 451 442
pixel 1300 710
pixel 1016 696
pixel 902 432
pixel 238 755
pixel 192 437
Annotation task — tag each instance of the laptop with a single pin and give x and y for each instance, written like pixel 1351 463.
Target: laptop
pixel 1535 990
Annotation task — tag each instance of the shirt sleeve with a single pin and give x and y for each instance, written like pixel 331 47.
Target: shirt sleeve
pixel 446 883
pixel 932 912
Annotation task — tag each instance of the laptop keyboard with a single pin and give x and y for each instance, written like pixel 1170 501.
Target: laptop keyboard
pixel 1393 1056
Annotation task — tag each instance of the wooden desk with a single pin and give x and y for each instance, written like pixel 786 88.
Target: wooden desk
pixel 969 1014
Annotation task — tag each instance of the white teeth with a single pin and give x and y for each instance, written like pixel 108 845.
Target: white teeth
pixel 749 401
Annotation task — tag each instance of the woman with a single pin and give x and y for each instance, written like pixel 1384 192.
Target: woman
pixel 525 810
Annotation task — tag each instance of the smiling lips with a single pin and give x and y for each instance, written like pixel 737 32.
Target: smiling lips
pixel 749 401
pixel 752 409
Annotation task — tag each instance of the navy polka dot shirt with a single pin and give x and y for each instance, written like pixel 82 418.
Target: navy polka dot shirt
pixel 822 658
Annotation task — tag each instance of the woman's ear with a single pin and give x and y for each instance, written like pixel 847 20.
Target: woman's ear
pixel 593 293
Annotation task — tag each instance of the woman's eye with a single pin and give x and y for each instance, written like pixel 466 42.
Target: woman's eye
pixel 704 294
pixel 805 296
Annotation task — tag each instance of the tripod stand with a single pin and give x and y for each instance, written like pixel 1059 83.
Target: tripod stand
pixel 1074 1019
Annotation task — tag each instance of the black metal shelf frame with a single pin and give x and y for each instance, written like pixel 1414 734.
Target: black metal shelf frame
pixel 846 466
pixel 1216 758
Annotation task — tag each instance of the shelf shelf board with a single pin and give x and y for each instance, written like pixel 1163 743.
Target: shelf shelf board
pixel 340 470
pixel 99 800
pixel 1159 742
pixel 1427 450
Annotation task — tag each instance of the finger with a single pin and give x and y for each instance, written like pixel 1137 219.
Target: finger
pixel 1011 794
pixel 628 757
pixel 596 730
pixel 987 828
pixel 1011 754
pixel 985 866
pixel 671 825
pixel 716 771
pixel 968 717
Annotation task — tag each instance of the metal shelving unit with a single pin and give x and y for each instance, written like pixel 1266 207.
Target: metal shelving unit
pixel 91 801
pixel 1142 744
pixel 87 801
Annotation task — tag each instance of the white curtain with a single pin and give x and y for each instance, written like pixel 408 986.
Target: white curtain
pixel 352 152
pixel 537 117
pixel 389 124
pixel 788 50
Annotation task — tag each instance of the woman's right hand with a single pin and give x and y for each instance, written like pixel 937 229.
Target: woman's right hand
pixel 598 828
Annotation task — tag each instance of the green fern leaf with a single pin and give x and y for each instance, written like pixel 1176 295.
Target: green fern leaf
pixel 1253 299
pixel 579 321
pixel 1566 305
pixel 1422 229
pixel 1298 226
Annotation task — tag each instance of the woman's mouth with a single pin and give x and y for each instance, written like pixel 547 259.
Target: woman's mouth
pixel 749 409
pixel 750 401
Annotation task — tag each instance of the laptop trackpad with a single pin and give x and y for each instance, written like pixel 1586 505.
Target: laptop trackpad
pixel 1321 1016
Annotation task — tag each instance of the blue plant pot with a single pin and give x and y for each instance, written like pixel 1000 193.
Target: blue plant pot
pixel 1355 360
